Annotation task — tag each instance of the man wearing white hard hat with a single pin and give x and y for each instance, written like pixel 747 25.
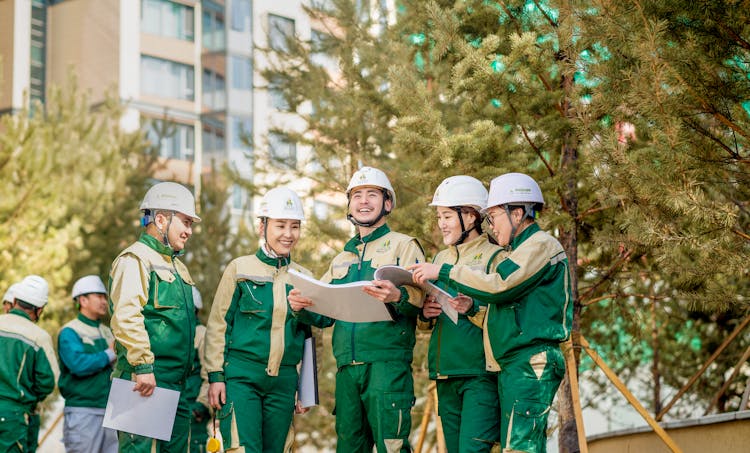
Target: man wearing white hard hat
pixel 8 299
pixel 530 309
pixel 28 369
pixel 153 315
pixel 253 343
pixel 86 350
pixel 466 380
pixel 374 383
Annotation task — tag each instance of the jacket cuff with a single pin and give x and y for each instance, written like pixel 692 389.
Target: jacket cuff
pixel 473 310
pixel 445 273
pixel 146 368
pixel 215 376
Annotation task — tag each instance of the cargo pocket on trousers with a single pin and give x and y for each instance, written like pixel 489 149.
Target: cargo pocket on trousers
pixel 396 415
pixel 224 417
pixel 527 426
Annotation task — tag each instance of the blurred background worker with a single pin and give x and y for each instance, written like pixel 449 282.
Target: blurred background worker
pixel 8 299
pixel 153 314
pixel 28 369
pixel 85 347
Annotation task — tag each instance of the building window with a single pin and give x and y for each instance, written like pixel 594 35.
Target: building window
pixel 276 97
pixel 238 197
pixel 242 133
pixel 213 138
pixel 213 29
pixel 166 18
pixel 214 90
pixel 38 49
pixel 174 140
pixel 167 78
pixel 280 30
pixel 242 73
pixel 282 151
pixel 322 210
pixel 318 55
pixel 241 16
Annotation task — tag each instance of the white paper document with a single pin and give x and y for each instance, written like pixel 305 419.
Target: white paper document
pixel 307 394
pixel 151 416
pixel 347 302
pixel 400 276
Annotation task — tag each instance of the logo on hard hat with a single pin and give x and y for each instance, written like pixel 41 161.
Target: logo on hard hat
pixel 289 203
pixel 520 190
pixel 362 176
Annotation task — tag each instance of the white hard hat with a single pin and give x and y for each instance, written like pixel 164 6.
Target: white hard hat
pixel 88 285
pixel 460 190
pixel 197 299
pixel 369 176
pixel 170 196
pixel 32 290
pixel 281 203
pixel 9 295
pixel 514 188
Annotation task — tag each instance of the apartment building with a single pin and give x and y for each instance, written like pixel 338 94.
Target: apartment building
pixel 187 72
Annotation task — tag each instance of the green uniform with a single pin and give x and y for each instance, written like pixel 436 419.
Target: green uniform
pixel 254 344
pixel 529 315
pixel 85 370
pixel 153 320
pixel 28 372
pixel 374 385
pixel 468 402
pixel 197 393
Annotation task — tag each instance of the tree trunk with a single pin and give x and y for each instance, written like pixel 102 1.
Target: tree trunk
pixel 655 373
pixel 568 440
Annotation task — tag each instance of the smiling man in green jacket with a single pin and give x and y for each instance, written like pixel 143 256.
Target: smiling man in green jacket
pixel 153 315
pixel 374 384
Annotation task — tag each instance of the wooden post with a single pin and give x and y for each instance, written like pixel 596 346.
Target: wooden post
pixel 441 447
pixel 705 366
pixel 50 429
pixel 425 419
pixel 570 365
pixel 629 396
pixel 724 387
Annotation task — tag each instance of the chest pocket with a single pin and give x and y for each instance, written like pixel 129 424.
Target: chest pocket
pixel 252 295
pixel 339 270
pixel 383 253
pixel 163 296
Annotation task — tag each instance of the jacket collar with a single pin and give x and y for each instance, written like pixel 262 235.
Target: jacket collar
pixel 21 313
pixel 87 321
pixel 277 262
pixel 351 245
pixel 525 234
pixel 157 245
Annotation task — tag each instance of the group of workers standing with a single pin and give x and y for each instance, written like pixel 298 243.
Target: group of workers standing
pixel 497 369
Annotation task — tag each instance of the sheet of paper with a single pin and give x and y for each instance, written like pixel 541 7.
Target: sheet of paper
pixel 151 416
pixel 307 393
pixel 345 302
pixel 400 276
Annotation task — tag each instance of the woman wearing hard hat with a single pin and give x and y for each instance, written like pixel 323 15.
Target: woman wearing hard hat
pixel 530 309
pixel 253 343
pixel 468 403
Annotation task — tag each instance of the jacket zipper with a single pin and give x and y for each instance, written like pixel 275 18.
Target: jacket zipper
pixel 359 275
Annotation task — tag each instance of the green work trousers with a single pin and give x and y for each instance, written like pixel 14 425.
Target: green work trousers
pixel 373 407
pixel 14 432
pixel 199 429
pixel 35 424
pixel 259 407
pixel 179 443
pixel 527 385
pixel 469 411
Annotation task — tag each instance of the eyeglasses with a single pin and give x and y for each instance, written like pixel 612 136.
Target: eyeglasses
pixel 491 216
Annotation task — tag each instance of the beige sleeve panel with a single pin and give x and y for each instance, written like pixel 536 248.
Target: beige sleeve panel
pixel 425 326
pixel 535 253
pixel 412 254
pixel 200 341
pixel 129 294
pixel 478 318
pixel 216 328
pixel 45 341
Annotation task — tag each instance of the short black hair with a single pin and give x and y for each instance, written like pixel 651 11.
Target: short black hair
pixel 25 305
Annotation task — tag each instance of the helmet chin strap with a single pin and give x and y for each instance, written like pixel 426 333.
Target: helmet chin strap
pixel 514 228
pixel 382 214
pixel 464 232
pixel 282 260
pixel 164 234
